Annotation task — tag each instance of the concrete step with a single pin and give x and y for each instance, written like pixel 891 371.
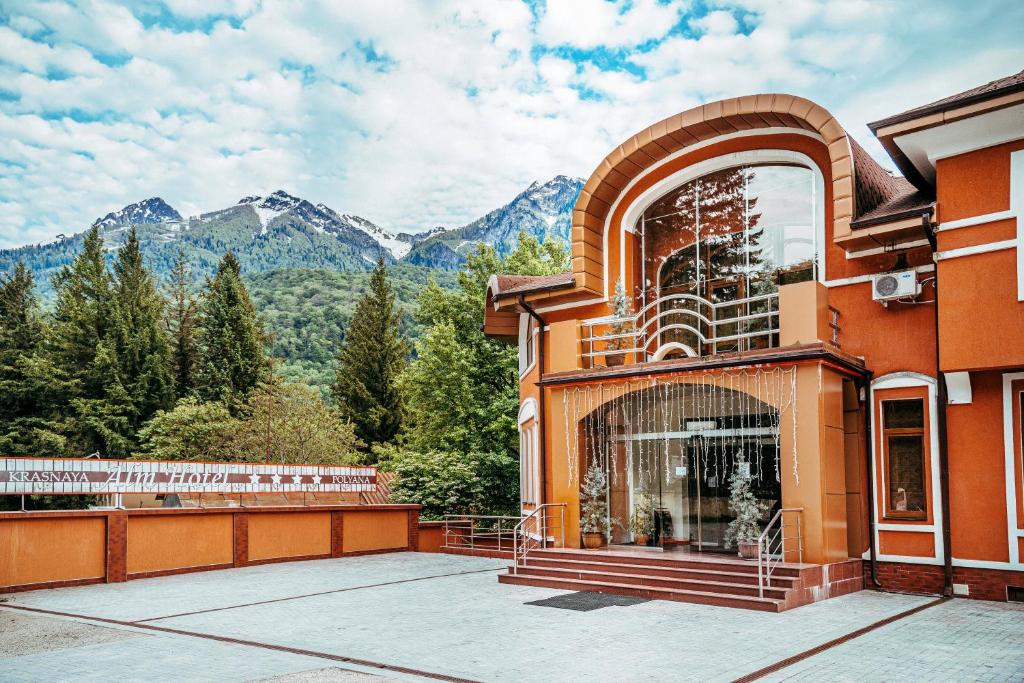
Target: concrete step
pixel 670 560
pixel 642 581
pixel 651 592
pixel 477 552
pixel 704 573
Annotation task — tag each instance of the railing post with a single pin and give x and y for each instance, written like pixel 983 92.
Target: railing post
pixel 563 525
pixel 799 538
pixel 760 558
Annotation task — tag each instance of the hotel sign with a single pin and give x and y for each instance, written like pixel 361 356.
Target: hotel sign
pixel 73 475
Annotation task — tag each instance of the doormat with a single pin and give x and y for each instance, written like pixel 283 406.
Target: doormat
pixel 585 601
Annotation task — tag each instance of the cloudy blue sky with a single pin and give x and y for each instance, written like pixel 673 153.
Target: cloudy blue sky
pixel 422 114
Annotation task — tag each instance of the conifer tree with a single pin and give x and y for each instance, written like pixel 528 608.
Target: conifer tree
pixel 232 356
pixel 82 315
pixel 140 342
pixel 84 356
pixel 27 397
pixel 371 358
pixel 181 326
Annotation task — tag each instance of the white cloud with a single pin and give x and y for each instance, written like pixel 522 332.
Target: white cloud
pixel 604 23
pixel 420 114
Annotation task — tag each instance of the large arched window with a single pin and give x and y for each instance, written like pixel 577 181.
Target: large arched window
pixel 719 246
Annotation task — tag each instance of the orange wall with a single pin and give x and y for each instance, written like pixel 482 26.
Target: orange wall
pixel 980 315
pixel 176 541
pixel 289 534
pixel 977 472
pixel 53 549
pixel 979 310
pixel 975 183
pixel 431 537
pixel 365 531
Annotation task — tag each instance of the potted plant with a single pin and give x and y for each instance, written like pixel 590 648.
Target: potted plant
pixel 641 523
pixel 622 323
pixel 594 521
pixel 745 529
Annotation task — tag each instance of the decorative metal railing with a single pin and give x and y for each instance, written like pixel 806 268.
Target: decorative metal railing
pixel 480 532
pixel 686 323
pixel 539 529
pixel 773 545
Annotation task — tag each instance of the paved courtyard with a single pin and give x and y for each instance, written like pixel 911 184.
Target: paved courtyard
pixel 413 616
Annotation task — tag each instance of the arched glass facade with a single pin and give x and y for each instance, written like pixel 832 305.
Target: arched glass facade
pixel 716 249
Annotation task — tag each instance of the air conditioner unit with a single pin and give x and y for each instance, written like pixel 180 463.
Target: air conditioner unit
pixel 898 285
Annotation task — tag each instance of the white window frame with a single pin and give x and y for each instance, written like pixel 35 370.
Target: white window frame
pixel 529 449
pixel 900 380
pixel 527 360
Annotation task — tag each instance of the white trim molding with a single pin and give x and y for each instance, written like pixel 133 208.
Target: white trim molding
pixel 971 221
pixel 858 279
pixel 674 180
pixel 904 380
pixel 1013 532
pixel 874 251
pixel 975 249
pixel 1017 208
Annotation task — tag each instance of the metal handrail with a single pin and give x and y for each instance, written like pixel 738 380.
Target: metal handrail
pixel 645 329
pixel 767 560
pixel 524 540
pixel 464 531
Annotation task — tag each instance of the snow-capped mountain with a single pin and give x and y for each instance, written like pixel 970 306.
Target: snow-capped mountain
pixel 542 210
pixel 279 230
pixel 152 210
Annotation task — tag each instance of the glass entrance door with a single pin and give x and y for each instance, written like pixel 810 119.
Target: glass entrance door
pixel 677 491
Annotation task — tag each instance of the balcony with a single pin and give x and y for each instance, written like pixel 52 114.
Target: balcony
pixel 684 325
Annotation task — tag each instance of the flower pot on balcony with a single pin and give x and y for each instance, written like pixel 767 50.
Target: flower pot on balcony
pixel 592 540
pixel 641 539
pixel 748 551
pixel 613 360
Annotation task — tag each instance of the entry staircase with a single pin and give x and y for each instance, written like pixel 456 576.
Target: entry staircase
pixel 536 545
pixel 664 576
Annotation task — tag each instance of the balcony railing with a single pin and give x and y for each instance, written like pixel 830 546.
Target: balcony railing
pixel 682 324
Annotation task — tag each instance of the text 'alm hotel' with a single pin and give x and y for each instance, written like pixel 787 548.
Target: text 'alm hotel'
pixel 851 341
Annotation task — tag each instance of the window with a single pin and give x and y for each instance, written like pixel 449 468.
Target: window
pixel 725 237
pixel 903 443
pixel 527 344
pixel 528 462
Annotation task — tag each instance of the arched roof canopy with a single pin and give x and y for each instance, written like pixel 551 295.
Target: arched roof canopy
pixel 675 134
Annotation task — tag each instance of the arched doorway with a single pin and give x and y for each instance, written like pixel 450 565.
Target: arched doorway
pixel 669 451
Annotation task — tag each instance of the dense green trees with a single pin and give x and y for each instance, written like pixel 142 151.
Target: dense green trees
pixel 117 368
pixel 27 392
pixel 462 390
pixel 371 359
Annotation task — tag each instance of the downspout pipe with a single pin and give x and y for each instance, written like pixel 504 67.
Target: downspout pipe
pixel 942 401
pixel 542 415
pixel 869 443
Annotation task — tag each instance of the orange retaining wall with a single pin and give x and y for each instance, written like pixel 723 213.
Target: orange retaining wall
pixel 49 549
pixel 431 537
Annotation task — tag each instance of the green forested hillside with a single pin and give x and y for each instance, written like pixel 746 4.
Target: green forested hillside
pixel 306 310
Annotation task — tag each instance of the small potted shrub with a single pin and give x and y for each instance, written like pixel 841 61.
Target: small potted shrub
pixel 641 523
pixel 745 529
pixel 594 521
pixel 622 311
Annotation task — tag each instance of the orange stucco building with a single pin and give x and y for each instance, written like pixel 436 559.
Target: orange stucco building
pixel 850 341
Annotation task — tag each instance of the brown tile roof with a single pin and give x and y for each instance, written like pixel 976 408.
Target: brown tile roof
pixel 873 184
pixel 910 202
pixel 521 284
pixel 990 90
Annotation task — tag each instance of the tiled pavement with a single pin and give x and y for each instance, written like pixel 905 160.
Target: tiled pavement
pixel 466 625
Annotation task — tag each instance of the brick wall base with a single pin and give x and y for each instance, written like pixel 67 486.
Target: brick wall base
pixel 982 584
